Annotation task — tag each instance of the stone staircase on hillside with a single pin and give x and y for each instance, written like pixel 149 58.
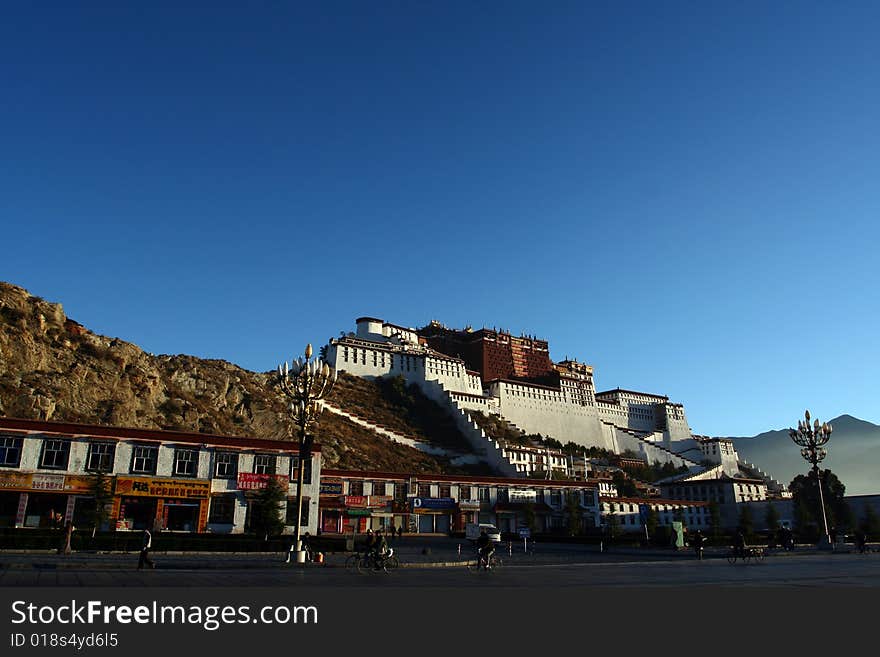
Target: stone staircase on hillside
pixel 638 442
pixel 773 485
pixel 457 458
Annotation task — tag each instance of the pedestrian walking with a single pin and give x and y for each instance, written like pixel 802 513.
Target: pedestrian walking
pixel 146 545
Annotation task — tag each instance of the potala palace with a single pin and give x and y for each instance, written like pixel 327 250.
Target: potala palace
pixel 514 378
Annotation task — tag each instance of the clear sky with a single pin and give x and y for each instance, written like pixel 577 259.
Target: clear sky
pixel 683 194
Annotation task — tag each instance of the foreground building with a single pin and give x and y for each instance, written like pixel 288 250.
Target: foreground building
pixel 354 501
pixel 168 480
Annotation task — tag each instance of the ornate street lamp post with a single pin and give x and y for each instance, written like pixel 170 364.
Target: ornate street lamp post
pixel 305 383
pixel 811 439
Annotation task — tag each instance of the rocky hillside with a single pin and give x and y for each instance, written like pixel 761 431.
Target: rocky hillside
pixel 53 368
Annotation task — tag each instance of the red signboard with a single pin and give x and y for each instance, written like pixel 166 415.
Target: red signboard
pixel 355 500
pixel 253 481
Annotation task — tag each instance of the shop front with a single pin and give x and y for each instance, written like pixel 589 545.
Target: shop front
pixel 251 483
pixel 468 511
pixel 169 504
pixel 356 516
pixel 511 517
pixel 434 514
pixel 330 506
pixel 40 500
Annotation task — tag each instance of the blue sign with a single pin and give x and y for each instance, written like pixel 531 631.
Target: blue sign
pixel 433 503
pixel 525 532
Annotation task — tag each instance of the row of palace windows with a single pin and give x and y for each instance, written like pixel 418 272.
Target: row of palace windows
pixel 55 455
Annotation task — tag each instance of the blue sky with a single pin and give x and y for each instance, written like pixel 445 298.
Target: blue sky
pixel 683 194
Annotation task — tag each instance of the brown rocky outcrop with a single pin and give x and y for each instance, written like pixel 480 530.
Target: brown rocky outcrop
pixel 53 368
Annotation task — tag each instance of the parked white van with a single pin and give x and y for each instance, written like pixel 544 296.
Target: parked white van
pixel 473 530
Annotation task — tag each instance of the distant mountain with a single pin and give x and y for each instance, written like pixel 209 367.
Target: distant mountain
pixel 853 454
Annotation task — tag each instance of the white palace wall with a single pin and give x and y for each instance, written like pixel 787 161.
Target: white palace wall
pixel 571 413
pixel 543 410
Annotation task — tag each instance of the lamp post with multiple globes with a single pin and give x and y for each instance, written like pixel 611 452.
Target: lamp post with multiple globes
pixel 811 439
pixel 305 382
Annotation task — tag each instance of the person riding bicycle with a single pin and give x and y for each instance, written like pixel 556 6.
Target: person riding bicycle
pixel 377 546
pixel 486 548
pixel 697 542
pixel 739 543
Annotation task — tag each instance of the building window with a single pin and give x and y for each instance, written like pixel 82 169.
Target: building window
pixel 294 470
pixel 290 516
pixel 143 459
pixel 464 492
pixel 226 465
pixel 222 509
pixel 356 487
pixel 424 490
pixel 101 457
pixel 186 462
pixel 378 488
pixel 445 490
pixel 400 492
pixel 502 495
pixel 55 454
pixel 556 499
pixel 10 452
pixel 264 464
pixel 483 494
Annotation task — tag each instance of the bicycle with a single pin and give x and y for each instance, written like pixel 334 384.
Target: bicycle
pixel 480 564
pixel 745 555
pixel 369 563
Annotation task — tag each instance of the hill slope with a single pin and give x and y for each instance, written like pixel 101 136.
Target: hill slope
pixel 853 454
pixel 53 368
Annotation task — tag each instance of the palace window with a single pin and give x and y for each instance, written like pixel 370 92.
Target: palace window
pixel 264 464
pixel 186 462
pixel 226 465
pixel 222 509
pixel 101 457
pixel 10 452
pixel 143 459
pixel 294 470
pixel 290 516
pixel 55 454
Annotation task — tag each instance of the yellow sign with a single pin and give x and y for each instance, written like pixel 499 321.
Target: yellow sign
pixel 144 487
pixel 15 481
pixel 81 483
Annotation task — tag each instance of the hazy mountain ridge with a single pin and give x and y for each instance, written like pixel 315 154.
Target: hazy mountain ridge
pixel 853 454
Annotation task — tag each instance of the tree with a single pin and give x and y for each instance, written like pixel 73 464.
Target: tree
pixel 100 489
pixel 805 499
pixel 612 523
pixel 266 509
pixel 573 513
pixel 771 517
